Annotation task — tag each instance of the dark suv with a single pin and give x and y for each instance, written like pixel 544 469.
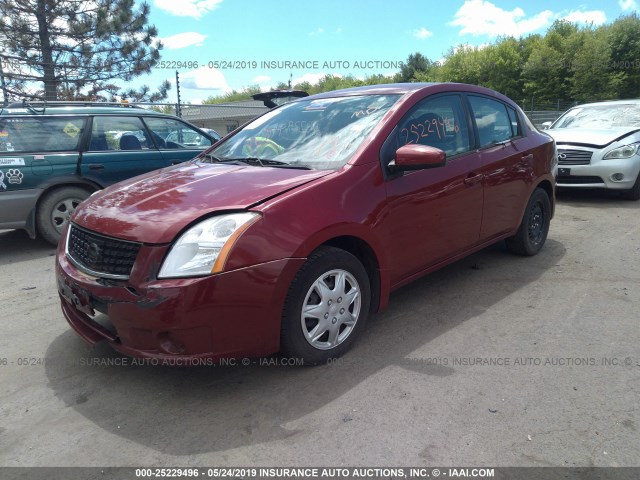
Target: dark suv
pixel 54 155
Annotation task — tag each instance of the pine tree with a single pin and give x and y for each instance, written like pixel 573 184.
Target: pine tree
pixel 74 48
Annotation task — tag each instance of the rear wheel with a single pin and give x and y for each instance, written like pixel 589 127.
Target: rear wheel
pixel 634 192
pixel 533 230
pixel 55 209
pixel 326 307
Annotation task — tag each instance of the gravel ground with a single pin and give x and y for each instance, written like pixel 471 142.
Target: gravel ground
pixel 495 360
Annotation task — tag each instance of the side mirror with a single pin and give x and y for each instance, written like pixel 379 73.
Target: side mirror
pixel 545 125
pixel 417 157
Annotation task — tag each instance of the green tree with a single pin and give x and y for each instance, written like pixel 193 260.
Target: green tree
pixel 547 72
pixel 234 95
pixel 624 40
pixel 503 67
pixel 592 78
pixel 416 65
pixel 77 45
pixel 463 64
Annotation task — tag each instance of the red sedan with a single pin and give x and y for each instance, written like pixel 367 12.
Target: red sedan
pixel 287 234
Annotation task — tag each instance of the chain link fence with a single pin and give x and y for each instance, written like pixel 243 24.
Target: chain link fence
pixel 541 112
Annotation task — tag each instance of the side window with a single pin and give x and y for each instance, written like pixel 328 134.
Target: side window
pixel 40 134
pixel 170 133
pixel 492 120
pixel 118 133
pixel 516 130
pixel 438 122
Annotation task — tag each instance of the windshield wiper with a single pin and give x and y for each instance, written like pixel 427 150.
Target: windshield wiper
pixel 210 157
pixel 263 162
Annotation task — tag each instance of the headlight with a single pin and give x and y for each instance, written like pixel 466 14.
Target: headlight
pixel 622 152
pixel 203 249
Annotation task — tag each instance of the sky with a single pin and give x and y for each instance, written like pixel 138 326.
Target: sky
pixel 232 44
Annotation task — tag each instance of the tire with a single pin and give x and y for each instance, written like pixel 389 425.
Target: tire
pixel 55 209
pixel 533 230
pixel 634 192
pixel 341 308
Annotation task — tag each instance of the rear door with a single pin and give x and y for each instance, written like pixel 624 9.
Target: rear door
pixel 119 148
pixel 33 149
pixel 506 164
pixel 176 140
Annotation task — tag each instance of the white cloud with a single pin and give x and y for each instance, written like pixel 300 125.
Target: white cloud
pixel 312 78
pixel 628 4
pixel 597 17
pixel 481 17
pixel 205 78
pixel 422 33
pixel 261 79
pixel 316 32
pixel 339 30
pixel 187 8
pixel 467 47
pixel 183 40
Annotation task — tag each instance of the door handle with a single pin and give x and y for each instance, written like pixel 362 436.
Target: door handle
pixel 527 157
pixel 473 179
pixel 96 166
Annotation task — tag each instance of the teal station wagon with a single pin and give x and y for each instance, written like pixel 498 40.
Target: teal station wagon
pixel 54 155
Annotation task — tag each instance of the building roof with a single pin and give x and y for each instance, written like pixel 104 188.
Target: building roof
pixel 233 110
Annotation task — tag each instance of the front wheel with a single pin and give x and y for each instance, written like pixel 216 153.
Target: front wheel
pixel 533 230
pixel 326 307
pixel 55 209
pixel 634 192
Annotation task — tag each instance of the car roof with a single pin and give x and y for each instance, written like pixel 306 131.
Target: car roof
pixel 402 88
pixel 62 108
pixel 388 88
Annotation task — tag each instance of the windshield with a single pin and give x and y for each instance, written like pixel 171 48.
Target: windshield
pixel 601 116
pixel 319 134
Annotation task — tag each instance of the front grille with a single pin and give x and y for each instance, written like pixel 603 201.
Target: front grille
pixel 574 157
pixel 578 180
pixel 100 255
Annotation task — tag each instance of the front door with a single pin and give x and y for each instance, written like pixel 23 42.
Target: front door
pixel 119 148
pixel 177 141
pixel 433 214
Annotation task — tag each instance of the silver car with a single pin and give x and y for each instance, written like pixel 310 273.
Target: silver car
pixel 598 147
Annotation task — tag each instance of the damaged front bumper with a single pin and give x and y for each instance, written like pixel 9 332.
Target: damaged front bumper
pixel 228 315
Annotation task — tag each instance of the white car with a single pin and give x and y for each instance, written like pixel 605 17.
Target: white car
pixel 598 147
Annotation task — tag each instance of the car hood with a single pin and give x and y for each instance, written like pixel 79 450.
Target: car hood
pixel 155 207
pixel 600 137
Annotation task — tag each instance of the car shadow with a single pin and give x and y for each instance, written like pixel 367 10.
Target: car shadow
pixel 16 246
pixel 593 197
pixel 181 411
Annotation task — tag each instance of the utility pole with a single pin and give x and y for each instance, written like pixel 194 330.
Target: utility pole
pixel 5 100
pixel 178 106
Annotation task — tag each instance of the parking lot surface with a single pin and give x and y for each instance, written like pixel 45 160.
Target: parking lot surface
pixel 496 360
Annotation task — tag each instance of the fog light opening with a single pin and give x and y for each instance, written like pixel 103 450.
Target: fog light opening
pixel 170 345
pixel 617 177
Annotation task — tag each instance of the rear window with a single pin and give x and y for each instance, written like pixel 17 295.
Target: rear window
pixel 494 124
pixel 40 134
